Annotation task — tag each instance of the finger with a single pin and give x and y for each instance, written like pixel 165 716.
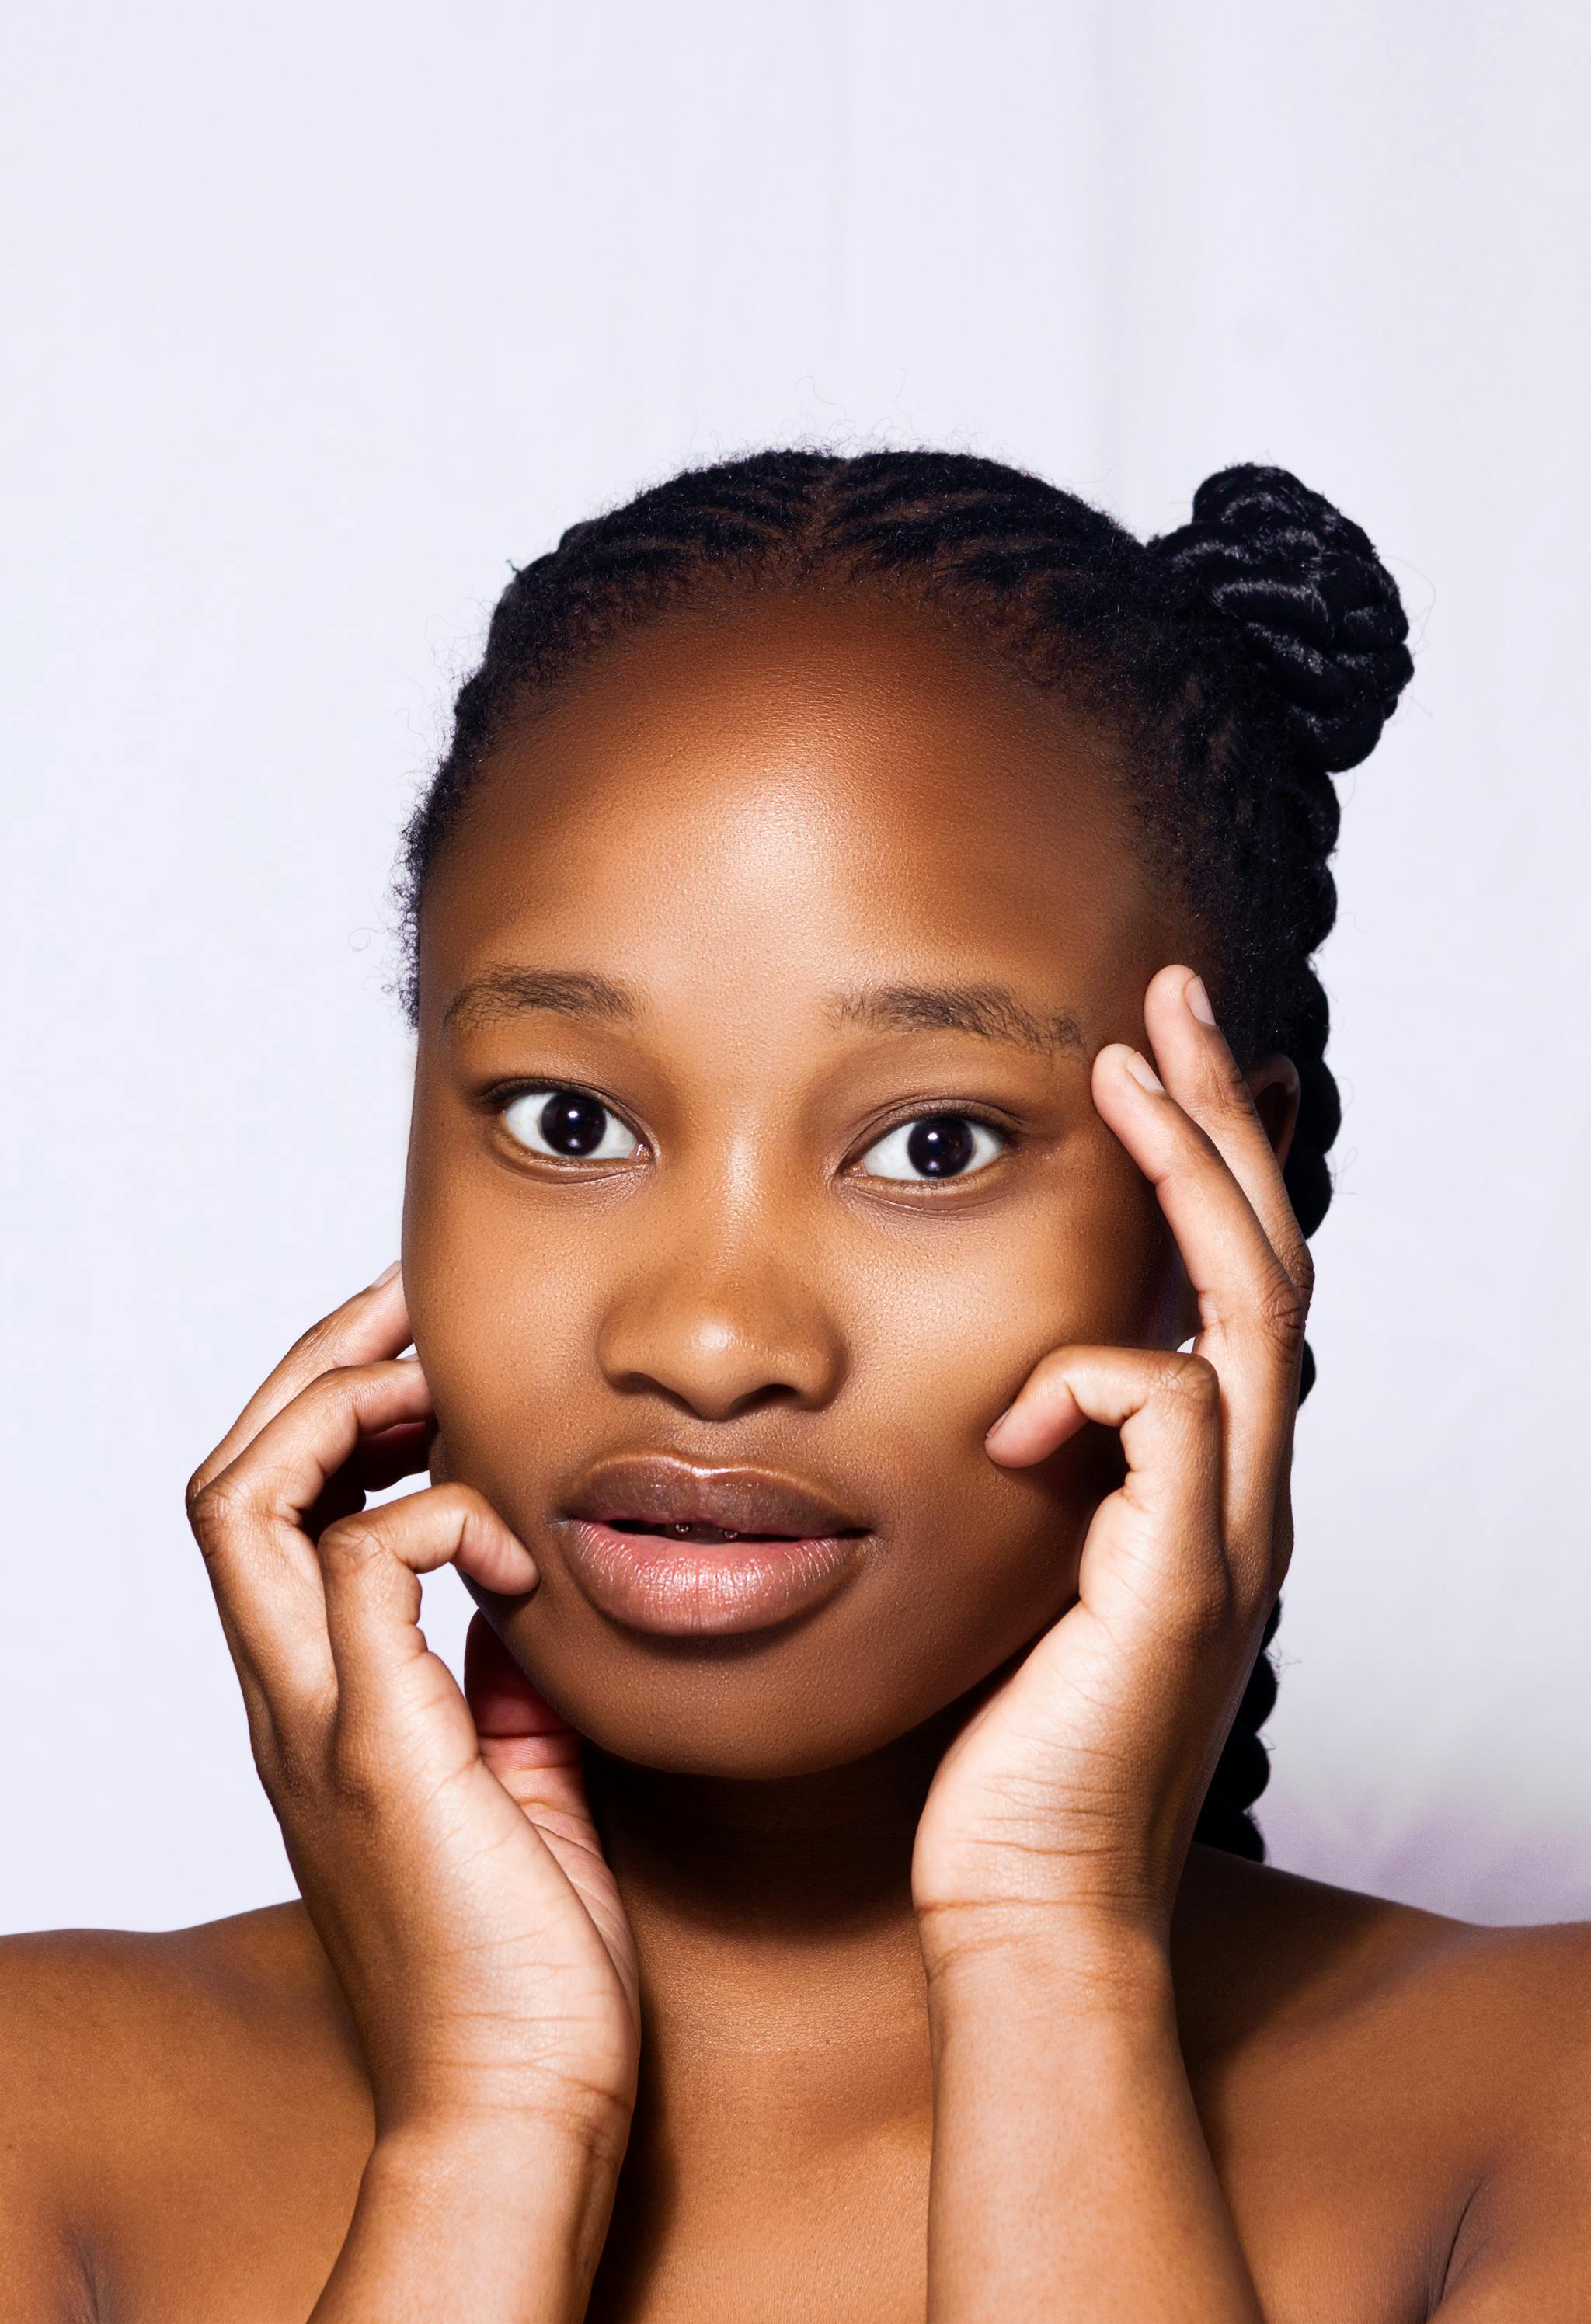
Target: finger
pixel 372 1564
pixel 1166 1409
pixel 1039 1418
pixel 332 1421
pixel 1250 1315
pixel 312 1698
pixel 376 1462
pixel 502 1700
pixel 268 1594
pixel 533 1751
pixel 249 1522
pixel 1200 1072
pixel 393 1453
pixel 1247 1301
pixel 373 1324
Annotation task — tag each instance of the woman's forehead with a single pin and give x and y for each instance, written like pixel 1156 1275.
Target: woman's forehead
pixel 794 723
pixel 840 781
pixel 849 672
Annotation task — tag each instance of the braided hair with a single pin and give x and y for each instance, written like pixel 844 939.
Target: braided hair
pixel 1244 658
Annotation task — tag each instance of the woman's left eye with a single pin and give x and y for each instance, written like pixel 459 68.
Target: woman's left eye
pixel 936 1146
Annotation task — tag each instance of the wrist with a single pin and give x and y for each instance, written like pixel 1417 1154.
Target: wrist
pixel 1061 2020
pixel 550 2139
pixel 514 2208
pixel 1046 1960
pixel 518 2204
pixel 509 2105
pixel 1063 2113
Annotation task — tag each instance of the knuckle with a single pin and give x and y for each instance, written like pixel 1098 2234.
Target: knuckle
pixel 467 1501
pixel 214 1509
pixel 324 1364
pixel 319 1344
pixel 1300 1265
pixel 1282 1313
pixel 332 1386
pixel 350 1544
pixel 1191 1382
pixel 1051 1367
pixel 341 1391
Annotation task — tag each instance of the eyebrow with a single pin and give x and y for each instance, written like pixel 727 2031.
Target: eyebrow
pixel 992 1012
pixel 506 991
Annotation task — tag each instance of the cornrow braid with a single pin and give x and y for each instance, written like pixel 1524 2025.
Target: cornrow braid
pixel 1245 658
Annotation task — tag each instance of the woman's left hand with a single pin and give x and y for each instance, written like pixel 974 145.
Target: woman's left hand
pixel 1077 1782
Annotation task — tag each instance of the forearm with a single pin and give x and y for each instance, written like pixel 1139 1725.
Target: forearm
pixel 500 2223
pixel 1070 2175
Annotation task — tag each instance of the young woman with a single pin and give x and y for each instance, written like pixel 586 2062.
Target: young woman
pixel 870 1101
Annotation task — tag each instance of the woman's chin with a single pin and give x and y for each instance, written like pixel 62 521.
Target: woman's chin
pixel 732 1706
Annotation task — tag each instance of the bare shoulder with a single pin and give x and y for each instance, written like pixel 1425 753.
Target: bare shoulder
pixel 1429 2066
pixel 1268 1951
pixel 100 2023
pixel 136 2068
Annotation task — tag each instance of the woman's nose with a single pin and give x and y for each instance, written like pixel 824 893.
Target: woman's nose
pixel 722 1334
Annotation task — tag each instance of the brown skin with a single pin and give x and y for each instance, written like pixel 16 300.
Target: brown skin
pixel 882 1950
pixel 781 832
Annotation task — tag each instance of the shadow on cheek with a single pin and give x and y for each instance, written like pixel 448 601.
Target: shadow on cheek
pixel 1071 1484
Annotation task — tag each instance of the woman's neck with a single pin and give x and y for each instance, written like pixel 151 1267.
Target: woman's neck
pixel 802 1855
pixel 774 1918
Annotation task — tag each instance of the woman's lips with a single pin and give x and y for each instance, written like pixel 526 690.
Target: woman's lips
pixel 680 1589
pixel 660 1545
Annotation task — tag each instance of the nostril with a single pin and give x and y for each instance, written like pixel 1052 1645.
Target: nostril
pixel 721 1353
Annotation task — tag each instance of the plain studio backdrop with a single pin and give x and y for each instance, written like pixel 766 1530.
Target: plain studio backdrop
pixel 321 317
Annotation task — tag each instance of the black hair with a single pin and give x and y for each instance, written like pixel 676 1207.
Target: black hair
pixel 1244 659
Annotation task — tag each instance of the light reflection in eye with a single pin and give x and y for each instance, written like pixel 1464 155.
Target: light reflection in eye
pixel 570 1125
pixel 935 1147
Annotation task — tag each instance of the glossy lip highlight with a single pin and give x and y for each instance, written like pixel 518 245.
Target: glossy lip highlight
pixel 783 1547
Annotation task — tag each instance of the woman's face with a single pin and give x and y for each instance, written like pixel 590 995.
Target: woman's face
pixel 753 1166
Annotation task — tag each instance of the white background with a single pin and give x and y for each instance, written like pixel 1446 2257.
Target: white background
pixel 319 315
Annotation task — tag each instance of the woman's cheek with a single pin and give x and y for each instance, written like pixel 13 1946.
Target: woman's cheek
pixel 960 1320
pixel 984 1300
pixel 503 1316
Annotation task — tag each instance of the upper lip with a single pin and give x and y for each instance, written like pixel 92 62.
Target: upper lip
pixel 659 1488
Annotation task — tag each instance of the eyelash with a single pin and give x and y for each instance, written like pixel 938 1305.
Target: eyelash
pixel 498 1100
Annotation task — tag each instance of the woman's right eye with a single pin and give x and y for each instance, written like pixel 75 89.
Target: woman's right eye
pixel 570 1125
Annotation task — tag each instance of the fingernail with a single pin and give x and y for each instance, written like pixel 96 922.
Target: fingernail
pixel 1144 1074
pixel 1198 1001
pixel 386 1275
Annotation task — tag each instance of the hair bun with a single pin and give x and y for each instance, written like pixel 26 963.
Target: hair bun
pixel 1319 611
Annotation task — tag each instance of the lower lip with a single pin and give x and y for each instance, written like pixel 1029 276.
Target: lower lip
pixel 702 1589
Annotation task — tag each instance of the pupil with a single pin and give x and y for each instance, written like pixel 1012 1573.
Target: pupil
pixel 572 1123
pixel 941 1146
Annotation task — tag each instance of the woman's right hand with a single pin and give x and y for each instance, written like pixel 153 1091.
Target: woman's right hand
pixel 451 1868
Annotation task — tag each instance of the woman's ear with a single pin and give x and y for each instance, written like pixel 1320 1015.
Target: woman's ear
pixel 1274 1087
